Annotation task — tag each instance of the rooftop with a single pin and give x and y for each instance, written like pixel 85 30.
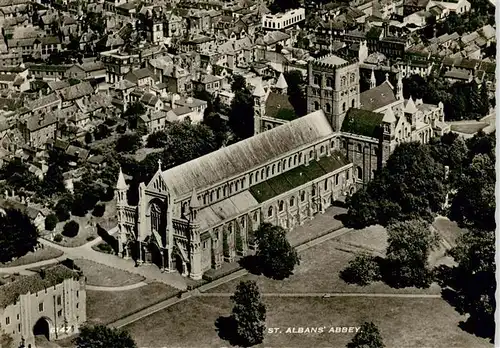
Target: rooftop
pixel 362 122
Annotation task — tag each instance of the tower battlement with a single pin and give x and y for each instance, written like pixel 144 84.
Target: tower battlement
pixel 331 61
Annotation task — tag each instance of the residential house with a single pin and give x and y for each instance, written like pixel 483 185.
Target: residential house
pixel 38 129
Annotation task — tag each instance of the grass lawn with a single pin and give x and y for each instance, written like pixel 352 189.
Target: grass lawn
pixel 407 322
pixel 469 128
pixel 319 272
pixel 87 224
pixel 105 307
pixel 46 253
pixel 102 275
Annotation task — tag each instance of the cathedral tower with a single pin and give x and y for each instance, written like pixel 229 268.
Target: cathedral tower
pixel 333 86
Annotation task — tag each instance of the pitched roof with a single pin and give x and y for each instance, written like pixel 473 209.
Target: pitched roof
pixel 259 91
pixel 76 91
pixel 377 97
pixel 389 116
pixel 362 122
pixel 281 83
pixel 277 102
pixel 410 107
pixel 250 153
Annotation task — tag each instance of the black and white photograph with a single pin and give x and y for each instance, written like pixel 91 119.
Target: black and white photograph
pixel 247 173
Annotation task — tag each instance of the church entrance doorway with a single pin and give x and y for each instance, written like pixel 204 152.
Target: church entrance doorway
pixel 156 256
pixel 42 328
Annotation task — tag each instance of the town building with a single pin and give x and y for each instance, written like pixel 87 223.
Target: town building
pixel 50 303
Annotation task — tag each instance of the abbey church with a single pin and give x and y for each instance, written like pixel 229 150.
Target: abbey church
pixel 193 217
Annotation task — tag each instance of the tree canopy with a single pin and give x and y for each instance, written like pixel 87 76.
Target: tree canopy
pixel 18 235
pixel 368 336
pixel 241 114
pixel 410 243
pixel 101 336
pixel 130 143
pixel 249 313
pixel 411 185
pixel 276 257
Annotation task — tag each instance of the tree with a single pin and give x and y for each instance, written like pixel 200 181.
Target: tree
pixel 101 336
pixel 131 115
pixel 249 313
pixel 53 181
pixel 410 186
pixel 51 222
pixel 363 270
pixel 18 235
pixel 241 114
pixel 276 257
pixel 18 176
pixel 473 205
pixel 128 143
pixel 63 207
pixel 71 229
pixel 283 5
pixel 238 83
pixel 99 210
pixel 368 336
pixel 88 138
pixel 410 244
pixel 296 86
pixel 474 282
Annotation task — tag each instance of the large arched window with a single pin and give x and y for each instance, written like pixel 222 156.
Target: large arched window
pixel 295 160
pixel 313 191
pixel 317 79
pixel 262 174
pixel 329 82
pixel 303 196
pixel 236 186
pixel 281 205
pixel 292 201
pixel 230 188
pixel 267 172
pixel 250 179
pixel 311 154
pixel 326 184
pixel 300 157
pixel 155 217
pixel 328 107
pixel 218 193
pixel 273 169
pixel 316 105
pixel 343 107
pixel 289 162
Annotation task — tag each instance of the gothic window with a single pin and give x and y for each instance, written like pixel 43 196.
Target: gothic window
pixel 236 186
pixel 326 184
pixel 352 103
pixel 300 158
pixel 316 105
pixel 289 162
pixel 155 217
pixel 270 211
pixel 243 181
pixel 242 222
pixel 250 179
pixel 257 176
pixel 255 217
pixel 230 188
pixel 359 173
pixel 359 148
pixel 267 172
pixel 343 81
pixel 336 180
pixel 211 196
pixel 262 174
pixel 353 77
pixel 329 82
pixel 204 199
pixel 317 79
pixel 347 175
pixel 322 149
pixel 218 193
pixel 292 201
pixel 279 167
pixel 273 169
pixel 303 196
pixel 311 154
pixel 281 205
pixel 328 108
pixel 313 191
pixel 295 160
pixel 343 107
pixel 225 191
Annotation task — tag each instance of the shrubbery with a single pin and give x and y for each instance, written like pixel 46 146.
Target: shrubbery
pixel 71 229
pixel 99 210
pixel 51 222
pixel 363 270
pixel 58 238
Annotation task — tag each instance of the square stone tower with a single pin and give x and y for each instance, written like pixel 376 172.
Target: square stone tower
pixel 333 86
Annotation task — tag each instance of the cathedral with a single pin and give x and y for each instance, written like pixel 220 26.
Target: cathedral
pixel 193 217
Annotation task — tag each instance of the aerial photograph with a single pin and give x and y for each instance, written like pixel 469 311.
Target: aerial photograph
pixel 247 173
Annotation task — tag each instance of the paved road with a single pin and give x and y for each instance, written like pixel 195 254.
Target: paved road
pixel 116 288
pixel 325 295
pixel 86 252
